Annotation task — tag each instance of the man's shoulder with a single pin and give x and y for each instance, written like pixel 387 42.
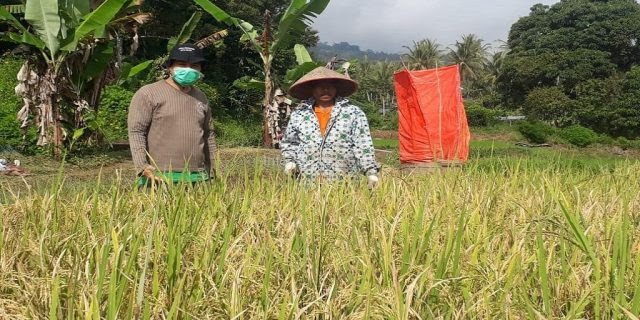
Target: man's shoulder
pixel 151 88
pixel 199 95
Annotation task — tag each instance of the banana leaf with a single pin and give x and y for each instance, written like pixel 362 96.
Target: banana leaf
pixel 187 30
pixel 250 34
pixel 248 83
pixel 43 16
pixel 25 37
pixel 296 73
pixel 98 62
pixel 296 19
pixel 96 22
pixel 302 55
pixel 130 71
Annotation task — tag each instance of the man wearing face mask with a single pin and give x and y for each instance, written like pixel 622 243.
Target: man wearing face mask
pixel 170 131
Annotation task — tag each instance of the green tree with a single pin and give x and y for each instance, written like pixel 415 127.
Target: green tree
pixel 523 72
pixel 550 105
pixel 607 26
pixel 228 60
pixel 495 67
pixel 471 54
pixel 425 54
pixel 596 103
pixel 568 43
pixel 382 80
pixel 485 88
pixel 376 87
pixel 612 105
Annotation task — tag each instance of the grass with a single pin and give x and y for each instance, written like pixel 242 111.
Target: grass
pixel 515 234
pixel 385 144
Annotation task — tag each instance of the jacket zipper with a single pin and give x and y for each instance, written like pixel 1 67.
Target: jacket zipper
pixel 324 139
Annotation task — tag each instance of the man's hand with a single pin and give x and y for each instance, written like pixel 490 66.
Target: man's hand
pixel 290 168
pixel 149 173
pixel 373 181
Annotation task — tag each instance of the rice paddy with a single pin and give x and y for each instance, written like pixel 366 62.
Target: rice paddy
pixel 507 237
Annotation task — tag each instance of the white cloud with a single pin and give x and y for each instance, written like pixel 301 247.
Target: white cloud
pixel 387 25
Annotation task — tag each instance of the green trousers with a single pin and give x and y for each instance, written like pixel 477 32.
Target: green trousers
pixel 177 177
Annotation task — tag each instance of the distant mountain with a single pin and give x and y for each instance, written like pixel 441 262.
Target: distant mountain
pixel 344 50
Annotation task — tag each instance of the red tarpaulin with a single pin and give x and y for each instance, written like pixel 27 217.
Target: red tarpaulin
pixel 432 121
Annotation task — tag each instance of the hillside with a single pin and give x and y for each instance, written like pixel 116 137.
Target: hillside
pixel 324 51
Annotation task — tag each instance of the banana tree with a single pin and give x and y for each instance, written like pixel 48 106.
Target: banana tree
pixel 276 119
pixel 271 41
pixel 74 45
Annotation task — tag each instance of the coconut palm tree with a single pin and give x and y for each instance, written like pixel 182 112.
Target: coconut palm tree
pixel 471 54
pixel 376 83
pixel 494 67
pixel 381 79
pixel 425 54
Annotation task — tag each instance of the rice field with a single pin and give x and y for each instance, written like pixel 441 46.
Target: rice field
pixel 506 238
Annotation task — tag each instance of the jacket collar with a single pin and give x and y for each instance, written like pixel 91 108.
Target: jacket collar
pixel 308 104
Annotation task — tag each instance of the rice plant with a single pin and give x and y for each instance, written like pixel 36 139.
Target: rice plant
pixel 509 240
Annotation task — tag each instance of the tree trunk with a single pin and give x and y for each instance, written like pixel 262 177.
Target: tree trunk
pixel 50 90
pixel 57 131
pixel 119 51
pixel 267 142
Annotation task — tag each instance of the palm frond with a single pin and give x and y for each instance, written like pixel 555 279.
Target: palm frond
pixel 424 54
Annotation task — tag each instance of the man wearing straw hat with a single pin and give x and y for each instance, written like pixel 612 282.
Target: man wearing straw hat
pixel 327 137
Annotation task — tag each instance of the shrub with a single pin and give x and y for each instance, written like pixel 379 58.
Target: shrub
pixel 10 134
pixel 634 144
pixel 492 100
pixel 390 121
pixel 605 139
pixel 623 143
pixel 479 116
pixel 230 132
pixel 212 92
pixel 535 131
pixel 578 135
pixel 550 105
pixel 375 118
pixel 111 119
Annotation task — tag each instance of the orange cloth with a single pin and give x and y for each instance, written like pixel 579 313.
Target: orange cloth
pixel 323 115
pixel 432 120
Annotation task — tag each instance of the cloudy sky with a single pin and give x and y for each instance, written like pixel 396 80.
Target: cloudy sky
pixel 387 25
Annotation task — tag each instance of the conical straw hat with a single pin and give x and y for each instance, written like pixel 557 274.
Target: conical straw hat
pixel 303 88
